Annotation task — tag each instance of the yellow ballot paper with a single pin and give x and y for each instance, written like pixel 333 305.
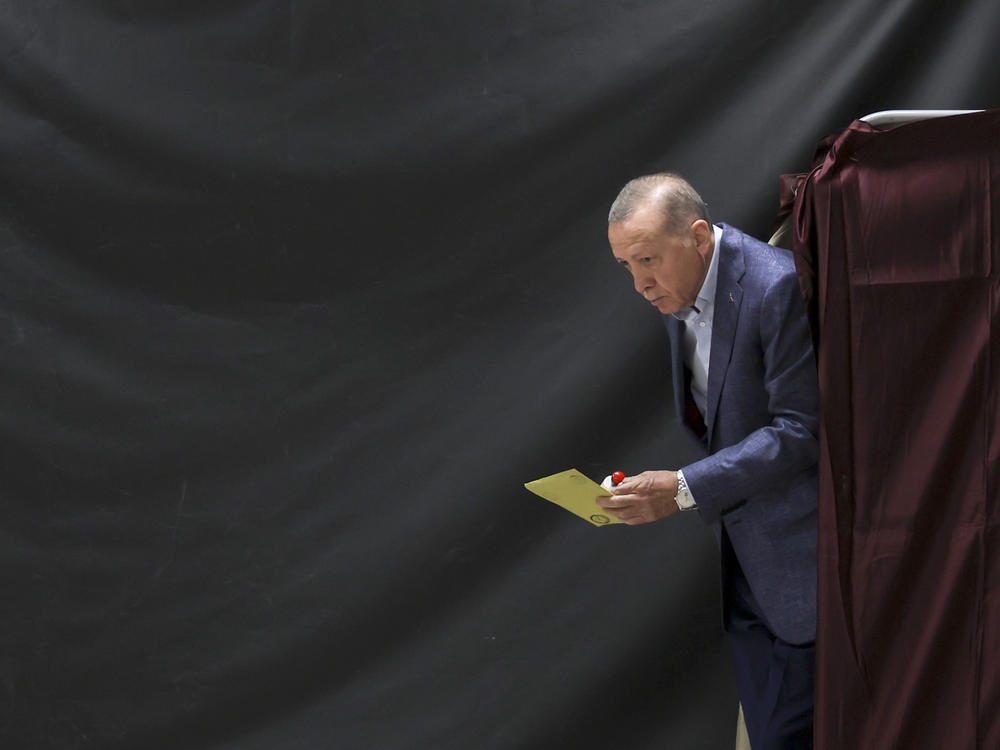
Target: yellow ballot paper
pixel 575 492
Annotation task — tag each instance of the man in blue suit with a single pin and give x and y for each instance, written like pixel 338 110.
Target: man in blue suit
pixel 745 386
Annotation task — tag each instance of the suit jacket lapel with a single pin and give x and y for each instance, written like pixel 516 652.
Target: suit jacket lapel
pixel 728 298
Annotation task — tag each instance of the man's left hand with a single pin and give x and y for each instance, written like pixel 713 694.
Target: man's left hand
pixel 642 498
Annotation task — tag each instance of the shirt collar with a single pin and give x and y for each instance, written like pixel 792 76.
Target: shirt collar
pixel 706 295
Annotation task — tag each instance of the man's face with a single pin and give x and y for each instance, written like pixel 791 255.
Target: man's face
pixel 667 271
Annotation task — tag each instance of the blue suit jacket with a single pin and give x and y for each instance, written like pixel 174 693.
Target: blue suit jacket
pixel 759 481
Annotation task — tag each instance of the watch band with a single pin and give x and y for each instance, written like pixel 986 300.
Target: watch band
pixel 683 498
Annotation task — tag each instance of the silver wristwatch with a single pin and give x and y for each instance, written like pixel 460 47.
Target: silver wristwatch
pixel 683 498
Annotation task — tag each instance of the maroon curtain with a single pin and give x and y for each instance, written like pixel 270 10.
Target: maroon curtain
pixel 896 236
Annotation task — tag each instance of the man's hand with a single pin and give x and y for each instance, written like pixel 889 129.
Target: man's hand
pixel 642 498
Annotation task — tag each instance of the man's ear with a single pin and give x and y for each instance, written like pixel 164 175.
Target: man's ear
pixel 704 236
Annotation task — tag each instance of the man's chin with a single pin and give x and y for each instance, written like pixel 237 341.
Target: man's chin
pixel 665 306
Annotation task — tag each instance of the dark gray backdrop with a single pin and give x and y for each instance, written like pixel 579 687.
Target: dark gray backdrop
pixel 296 295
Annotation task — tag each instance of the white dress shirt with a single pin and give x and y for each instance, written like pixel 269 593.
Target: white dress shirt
pixel 697 348
pixel 697 319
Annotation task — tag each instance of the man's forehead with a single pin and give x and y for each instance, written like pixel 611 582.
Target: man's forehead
pixel 637 228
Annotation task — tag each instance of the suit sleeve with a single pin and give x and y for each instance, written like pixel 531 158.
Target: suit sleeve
pixel 771 456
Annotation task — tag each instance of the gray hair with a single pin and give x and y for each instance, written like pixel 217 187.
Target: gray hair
pixel 670 194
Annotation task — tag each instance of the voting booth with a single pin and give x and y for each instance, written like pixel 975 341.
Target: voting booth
pixel 895 233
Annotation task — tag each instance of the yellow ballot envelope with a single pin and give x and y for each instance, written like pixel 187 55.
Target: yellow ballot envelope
pixel 575 492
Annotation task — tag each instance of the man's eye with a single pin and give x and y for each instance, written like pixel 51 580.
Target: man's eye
pixel 646 260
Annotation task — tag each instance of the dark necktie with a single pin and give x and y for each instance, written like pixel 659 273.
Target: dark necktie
pixel 692 417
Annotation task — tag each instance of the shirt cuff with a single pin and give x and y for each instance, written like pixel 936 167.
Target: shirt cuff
pixel 684 498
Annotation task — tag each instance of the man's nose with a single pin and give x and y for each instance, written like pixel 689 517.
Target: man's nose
pixel 643 282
